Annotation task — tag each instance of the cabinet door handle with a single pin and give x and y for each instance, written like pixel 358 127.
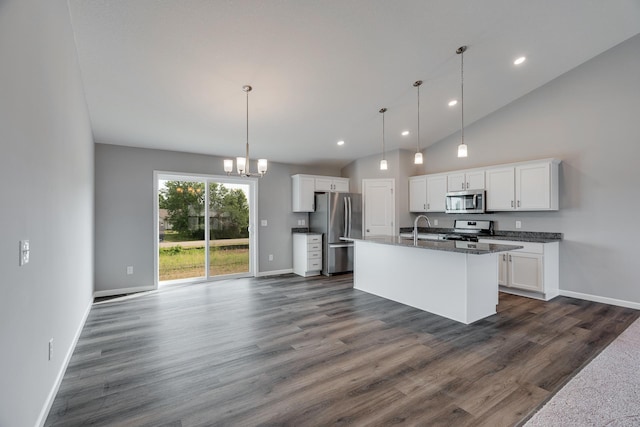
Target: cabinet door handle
pixel 427 205
pixel 424 206
pixel 512 203
pixel 463 185
pixel 518 203
pixel 504 257
pixel 510 258
pixel 467 185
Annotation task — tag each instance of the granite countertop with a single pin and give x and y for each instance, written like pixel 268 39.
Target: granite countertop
pixel 517 236
pixel 472 248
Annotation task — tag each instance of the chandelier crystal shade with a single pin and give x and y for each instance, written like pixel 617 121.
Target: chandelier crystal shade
pixel 242 163
pixel 462 148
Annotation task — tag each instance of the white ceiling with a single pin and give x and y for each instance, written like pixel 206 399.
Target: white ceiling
pixel 168 74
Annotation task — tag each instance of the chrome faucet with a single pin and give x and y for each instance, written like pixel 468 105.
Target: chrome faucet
pixel 415 227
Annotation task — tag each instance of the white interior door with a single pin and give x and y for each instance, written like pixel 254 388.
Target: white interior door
pixel 379 207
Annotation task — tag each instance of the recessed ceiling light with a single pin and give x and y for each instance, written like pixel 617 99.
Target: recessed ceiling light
pixel 519 60
pixel 453 102
pixel 340 142
pixel 405 132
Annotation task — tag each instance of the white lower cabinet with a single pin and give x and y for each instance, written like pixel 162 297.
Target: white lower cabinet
pixel 532 271
pixel 307 254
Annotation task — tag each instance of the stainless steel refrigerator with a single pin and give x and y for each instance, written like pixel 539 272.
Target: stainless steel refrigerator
pixel 337 215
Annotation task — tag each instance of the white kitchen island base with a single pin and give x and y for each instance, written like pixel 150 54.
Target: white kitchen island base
pixel 459 286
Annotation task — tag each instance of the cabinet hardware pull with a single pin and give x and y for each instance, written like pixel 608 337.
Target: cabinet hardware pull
pixel 467 185
pixel 427 205
pixel 512 203
pixel 510 258
pixel 518 203
pixel 463 185
pixel 504 257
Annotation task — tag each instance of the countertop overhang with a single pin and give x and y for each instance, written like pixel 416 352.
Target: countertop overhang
pixel 472 248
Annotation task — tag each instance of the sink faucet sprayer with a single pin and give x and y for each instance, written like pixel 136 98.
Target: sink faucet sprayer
pixel 415 227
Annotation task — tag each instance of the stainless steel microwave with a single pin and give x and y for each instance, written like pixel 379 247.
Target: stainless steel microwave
pixel 469 201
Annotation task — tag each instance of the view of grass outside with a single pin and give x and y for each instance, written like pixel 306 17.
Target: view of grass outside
pixel 182 230
pixel 177 262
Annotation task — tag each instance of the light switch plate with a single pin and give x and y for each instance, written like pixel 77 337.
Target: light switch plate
pixel 435 222
pixel 518 224
pixel 263 222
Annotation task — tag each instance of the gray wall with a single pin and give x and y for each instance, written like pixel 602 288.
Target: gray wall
pixel 124 211
pixel 588 118
pixel 46 170
pixel 401 167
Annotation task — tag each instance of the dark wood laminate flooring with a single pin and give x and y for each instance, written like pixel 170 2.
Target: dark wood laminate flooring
pixel 293 351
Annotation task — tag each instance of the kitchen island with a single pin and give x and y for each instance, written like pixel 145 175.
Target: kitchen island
pixel 453 279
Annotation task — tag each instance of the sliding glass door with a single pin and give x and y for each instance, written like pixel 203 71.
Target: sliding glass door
pixel 204 227
pixel 229 244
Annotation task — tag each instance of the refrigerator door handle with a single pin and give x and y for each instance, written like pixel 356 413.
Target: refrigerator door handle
pixel 346 217
pixel 349 198
pixel 341 245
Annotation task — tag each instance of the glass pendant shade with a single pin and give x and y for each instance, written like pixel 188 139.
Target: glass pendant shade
pixel 241 164
pixel 417 159
pixel 383 165
pixel 262 166
pixel 462 150
pixel 228 165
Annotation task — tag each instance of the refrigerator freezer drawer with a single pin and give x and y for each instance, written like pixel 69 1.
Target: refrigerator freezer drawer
pixel 339 260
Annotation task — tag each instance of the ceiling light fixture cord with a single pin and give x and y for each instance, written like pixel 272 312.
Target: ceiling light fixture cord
pixel 417 84
pixel 462 148
pixel 247 89
pixel 461 89
pixel 418 156
pixel 383 162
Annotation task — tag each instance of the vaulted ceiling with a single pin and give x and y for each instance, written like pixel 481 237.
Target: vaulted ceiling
pixel 168 74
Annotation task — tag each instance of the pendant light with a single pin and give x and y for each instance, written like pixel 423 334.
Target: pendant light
pixel 418 157
pixel 383 162
pixel 462 148
pixel 242 163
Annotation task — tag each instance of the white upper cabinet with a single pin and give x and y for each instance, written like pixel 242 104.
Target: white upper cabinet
pixel 436 192
pixel 332 184
pixel 525 187
pixel 500 189
pixel 533 187
pixel 418 194
pixel 469 180
pixel 304 187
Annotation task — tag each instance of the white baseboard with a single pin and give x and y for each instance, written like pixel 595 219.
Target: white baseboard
pixel 44 413
pixel 274 272
pixel 604 300
pixel 112 292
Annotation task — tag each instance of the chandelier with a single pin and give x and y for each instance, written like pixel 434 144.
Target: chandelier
pixel 242 163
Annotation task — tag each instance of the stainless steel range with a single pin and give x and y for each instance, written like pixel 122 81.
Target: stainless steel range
pixel 469 230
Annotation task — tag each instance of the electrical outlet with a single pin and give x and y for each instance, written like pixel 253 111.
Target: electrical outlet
pixel 51 349
pixel 435 222
pixel 24 249
pixel 518 224
pixel 301 222
pixel 129 270
pixel 270 257
pixel 263 222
